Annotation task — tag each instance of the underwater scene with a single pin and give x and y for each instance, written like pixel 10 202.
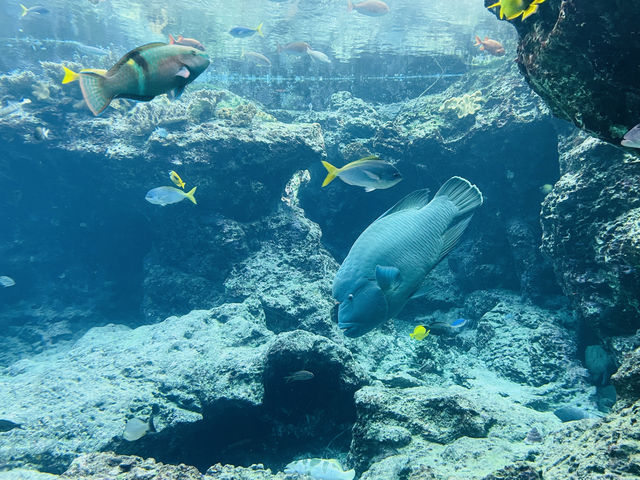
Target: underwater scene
pixel 319 240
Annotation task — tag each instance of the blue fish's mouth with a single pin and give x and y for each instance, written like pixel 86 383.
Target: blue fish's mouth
pixel 348 329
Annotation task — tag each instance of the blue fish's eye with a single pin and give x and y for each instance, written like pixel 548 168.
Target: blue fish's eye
pixel 351 296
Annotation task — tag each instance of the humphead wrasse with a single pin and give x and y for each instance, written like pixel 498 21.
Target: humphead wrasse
pixel 514 8
pixel 142 74
pixel 390 260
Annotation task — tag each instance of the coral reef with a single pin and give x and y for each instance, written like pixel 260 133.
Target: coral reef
pixel 467 104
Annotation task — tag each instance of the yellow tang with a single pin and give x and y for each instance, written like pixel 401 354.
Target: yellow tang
pixel 514 8
pixel 419 333
pixel 175 178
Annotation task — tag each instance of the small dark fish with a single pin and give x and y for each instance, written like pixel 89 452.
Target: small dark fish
pixel 632 138
pixel 570 414
pixel 299 376
pixel 244 32
pixel 6 425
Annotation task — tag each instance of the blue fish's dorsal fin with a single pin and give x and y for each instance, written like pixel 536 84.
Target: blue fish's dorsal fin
pixel 388 278
pixel 415 200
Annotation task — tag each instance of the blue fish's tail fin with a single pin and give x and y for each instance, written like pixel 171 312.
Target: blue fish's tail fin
pixel 465 196
pixel 332 173
pixel 94 92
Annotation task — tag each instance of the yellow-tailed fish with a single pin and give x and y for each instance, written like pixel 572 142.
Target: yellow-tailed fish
pixel 514 8
pixel 167 195
pixel 175 178
pixel 37 9
pixel 368 172
pixel 71 76
pixel 419 333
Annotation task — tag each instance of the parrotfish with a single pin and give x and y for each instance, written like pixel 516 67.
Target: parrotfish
pixel 36 9
pixel 632 138
pixel 142 74
pixel 419 333
pixel 371 8
pixel 243 32
pixel 389 261
pixel 320 469
pixel 175 178
pixel 256 58
pixel 168 195
pixel 368 172
pixel 493 47
pixel 187 42
pixel 318 56
pixel 514 8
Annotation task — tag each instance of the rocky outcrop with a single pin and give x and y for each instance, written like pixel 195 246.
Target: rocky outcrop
pixel 627 379
pixel 580 58
pixel 217 375
pixel 590 232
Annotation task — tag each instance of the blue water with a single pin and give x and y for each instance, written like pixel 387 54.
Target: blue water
pixel 87 252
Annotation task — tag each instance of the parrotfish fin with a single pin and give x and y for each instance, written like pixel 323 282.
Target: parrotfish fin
pixel 259 30
pixel 465 196
pixel 171 40
pixel 25 10
pixel 133 53
pixel 94 92
pixel 190 196
pixel 415 200
pixel 175 93
pixel 183 72
pixel 333 173
pixel 388 278
pixel 369 189
pixel 69 75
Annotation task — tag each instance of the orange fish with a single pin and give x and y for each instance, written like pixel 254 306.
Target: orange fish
pixel 491 46
pixel 187 42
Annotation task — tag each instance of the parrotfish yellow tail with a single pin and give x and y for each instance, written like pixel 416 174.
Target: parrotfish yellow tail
pixel 333 173
pixel 259 30
pixel 69 75
pixel 190 196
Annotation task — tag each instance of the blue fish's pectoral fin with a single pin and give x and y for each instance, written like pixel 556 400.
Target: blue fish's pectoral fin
pixel 175 93
pixel 388 278
pixel 369 189
pixel 183 72
pixel 414 201
pixel 426 288
pixel 371 175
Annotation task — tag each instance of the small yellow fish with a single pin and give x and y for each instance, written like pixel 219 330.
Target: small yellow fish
pixel 514 8
pixel 419 333
pixel 175 178
pixel 71 76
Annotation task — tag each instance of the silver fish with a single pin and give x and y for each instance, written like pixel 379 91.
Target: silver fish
pixel 7 281
pixel 632 138
pixel 168 195
pixel 256 58
pixel 135 429
pixel 318 56
pixel 368 172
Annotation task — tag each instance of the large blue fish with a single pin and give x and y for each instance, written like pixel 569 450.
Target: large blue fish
pixel 389 261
